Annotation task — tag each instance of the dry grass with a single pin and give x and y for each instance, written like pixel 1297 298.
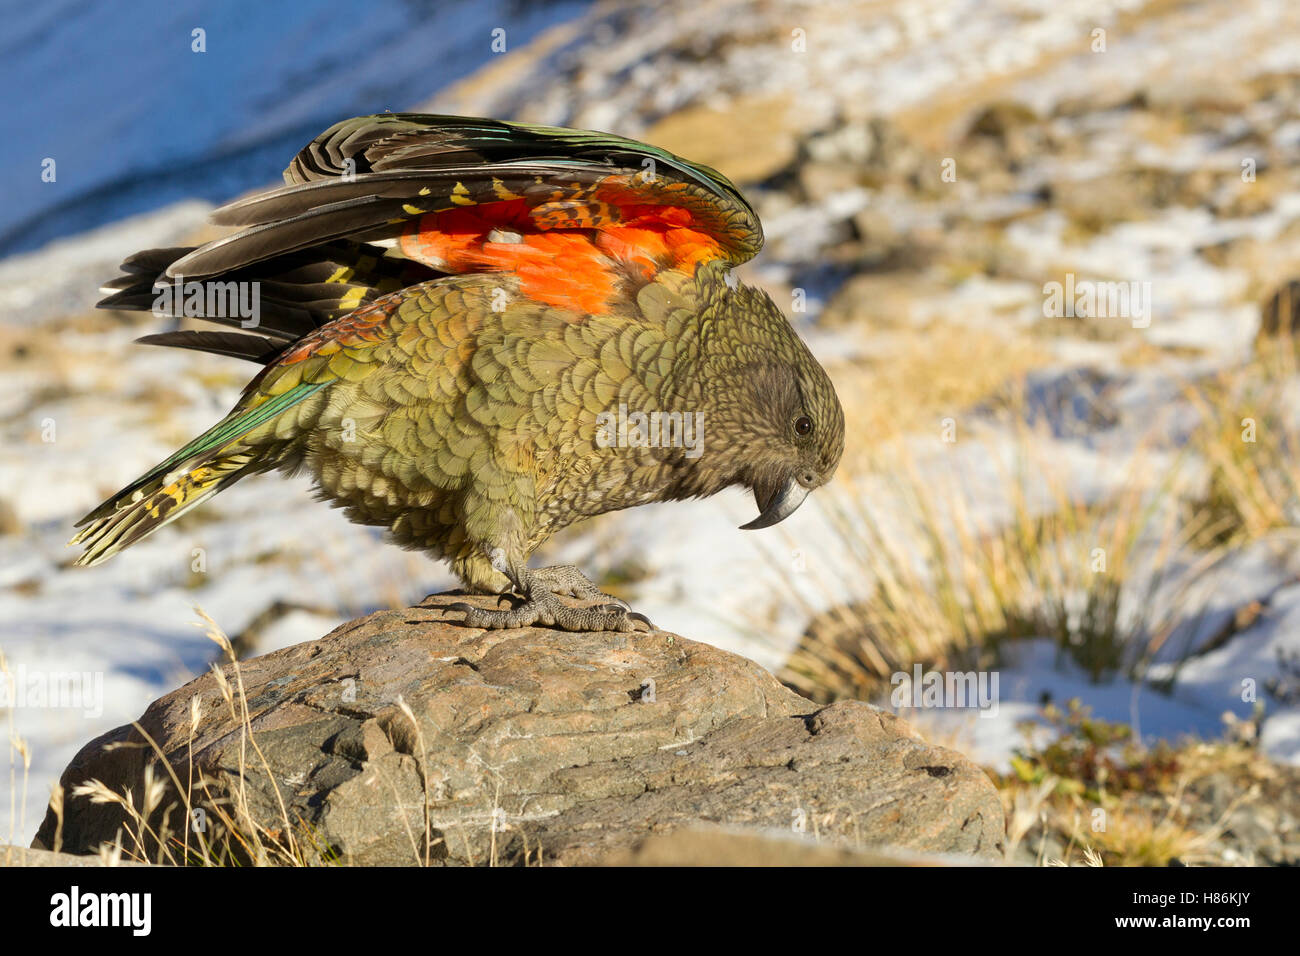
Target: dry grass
pixel 960 366
pixel 1249 439
pixel 175 822
pixel 235 830
pixel 945 584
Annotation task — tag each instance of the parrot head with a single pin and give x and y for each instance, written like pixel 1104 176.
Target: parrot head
pixel 782 421
pixel 802 438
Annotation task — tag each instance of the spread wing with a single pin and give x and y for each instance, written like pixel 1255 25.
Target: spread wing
pixel 575 214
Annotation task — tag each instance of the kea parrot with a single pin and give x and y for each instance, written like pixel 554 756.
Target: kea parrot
pixel 464 327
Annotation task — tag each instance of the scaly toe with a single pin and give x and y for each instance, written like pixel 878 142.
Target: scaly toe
pixel 491 620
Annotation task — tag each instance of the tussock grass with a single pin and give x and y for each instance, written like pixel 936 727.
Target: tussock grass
pixel 946 580
pixel 1250 439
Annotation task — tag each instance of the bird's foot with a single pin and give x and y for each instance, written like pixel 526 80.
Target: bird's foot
pixel 566 579
pixel 546 610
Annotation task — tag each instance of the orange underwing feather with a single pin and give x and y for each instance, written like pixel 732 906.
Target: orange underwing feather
pixel 574 248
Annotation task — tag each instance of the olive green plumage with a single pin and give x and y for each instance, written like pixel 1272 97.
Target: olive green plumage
pixel 470 420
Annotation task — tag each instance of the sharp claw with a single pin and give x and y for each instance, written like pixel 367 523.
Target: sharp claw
pixel 638 616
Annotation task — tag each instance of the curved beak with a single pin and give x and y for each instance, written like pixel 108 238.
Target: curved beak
pixel 776 504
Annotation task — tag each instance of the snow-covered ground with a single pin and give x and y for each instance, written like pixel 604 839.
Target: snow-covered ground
pixel 84 411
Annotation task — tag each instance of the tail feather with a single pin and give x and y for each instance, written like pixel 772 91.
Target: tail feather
pixel 255 348
pixel 296 294
pixel 217 458
pixel 140 511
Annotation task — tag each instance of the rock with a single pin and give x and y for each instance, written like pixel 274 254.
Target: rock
pixel 1188 96
pixel 1002 139
pixel 579 746
pixel 748 141
pixel 821 182
pixel 10 523
pixel 1001 120
pixel 877 148
pixel 880 300
pixel 1129 195
pixel 27 856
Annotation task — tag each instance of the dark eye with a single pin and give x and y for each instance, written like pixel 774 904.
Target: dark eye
pixel 802 425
